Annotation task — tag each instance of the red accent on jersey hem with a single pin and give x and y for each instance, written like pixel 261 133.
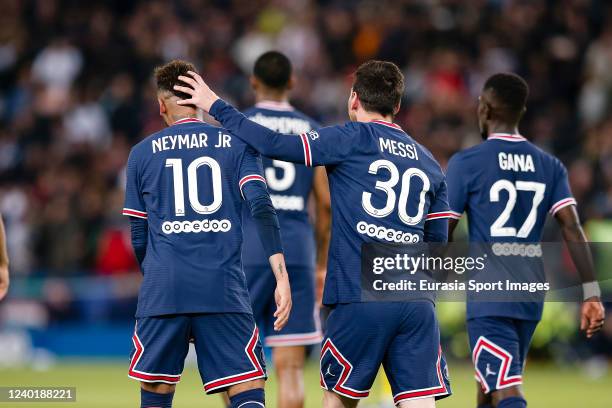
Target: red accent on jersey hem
pixel 307 151
pixel 561 204
pixel 250 177
pixel 187 120
pixel 506 136
pixel 438 215
pixel 385 123
pixel 134 213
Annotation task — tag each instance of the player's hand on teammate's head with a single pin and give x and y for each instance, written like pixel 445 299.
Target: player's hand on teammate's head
pixel 282 296
pixel 592 316
pixel 201 95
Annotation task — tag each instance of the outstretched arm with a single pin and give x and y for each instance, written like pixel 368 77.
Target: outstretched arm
pixel 4 262
pixel 592 313
pixel 328 145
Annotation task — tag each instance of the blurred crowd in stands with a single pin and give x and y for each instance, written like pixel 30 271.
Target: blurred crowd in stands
pixel 76 93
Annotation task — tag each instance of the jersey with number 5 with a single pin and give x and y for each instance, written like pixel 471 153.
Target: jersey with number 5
pixel 289 185
pixel 506 185
pixel 189 181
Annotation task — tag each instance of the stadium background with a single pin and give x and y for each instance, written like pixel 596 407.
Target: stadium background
pixel 76 93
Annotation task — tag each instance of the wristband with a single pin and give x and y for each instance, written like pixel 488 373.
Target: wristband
pixel 590 289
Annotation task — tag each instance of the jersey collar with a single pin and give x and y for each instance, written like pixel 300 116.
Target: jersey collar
pixel 388 124
pixel 187 120
pixel 509 137
pixel 274 105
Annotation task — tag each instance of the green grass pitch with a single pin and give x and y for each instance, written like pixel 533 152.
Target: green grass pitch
pixel 106 385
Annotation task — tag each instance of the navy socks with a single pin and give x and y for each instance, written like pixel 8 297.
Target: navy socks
pixel 150 399
pixel 512 402
pixel 254 398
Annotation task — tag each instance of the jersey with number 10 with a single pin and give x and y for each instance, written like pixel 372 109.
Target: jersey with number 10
pixel 506 186
pixel 189 181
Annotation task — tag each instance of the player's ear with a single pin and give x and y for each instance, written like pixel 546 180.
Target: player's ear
pixel 162 106
pixel 397 108
pixel 254 82
pixel 353 101
pixel 291 83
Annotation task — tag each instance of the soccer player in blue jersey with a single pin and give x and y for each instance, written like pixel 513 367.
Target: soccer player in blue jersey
pixel 186 187
pixel 384 187
pixel 290 186
pixel 506 185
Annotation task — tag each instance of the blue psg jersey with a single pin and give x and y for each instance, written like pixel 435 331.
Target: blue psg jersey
pixel 188 181
pixel 289 185
pixel 384 187
pixel 506 186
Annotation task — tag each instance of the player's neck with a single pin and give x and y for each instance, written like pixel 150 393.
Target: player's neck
pixel 272 96
pixel 503 128
pixel 365 116
pixel 172 118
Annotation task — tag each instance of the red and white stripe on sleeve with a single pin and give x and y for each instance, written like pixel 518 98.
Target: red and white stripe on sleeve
pixel 562 204
pixel 442 214
pixel 134 213
pixel 307 150
pixel 250 177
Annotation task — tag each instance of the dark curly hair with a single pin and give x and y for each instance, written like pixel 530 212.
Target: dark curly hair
pixel 379 86
pixel 166 76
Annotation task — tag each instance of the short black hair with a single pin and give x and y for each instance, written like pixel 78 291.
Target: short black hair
pixel 379 86
pixel 166 76
pixel 510 90
pixel 273 68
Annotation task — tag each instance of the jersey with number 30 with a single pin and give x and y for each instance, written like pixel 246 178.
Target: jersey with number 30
pixel 384 187
pixel 506 186
pixel 189 181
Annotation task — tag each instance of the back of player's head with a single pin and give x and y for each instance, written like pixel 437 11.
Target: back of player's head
pixel 273 69
pixel 379 86
pixel 510 93
pixel 166 76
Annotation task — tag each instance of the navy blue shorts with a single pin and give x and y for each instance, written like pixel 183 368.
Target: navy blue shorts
pixel 403 337
pixel 227 346
pixel 303 327
pixel 499 349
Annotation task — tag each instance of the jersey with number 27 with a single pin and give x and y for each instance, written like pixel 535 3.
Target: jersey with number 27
pixel 188 180
pixel 506 186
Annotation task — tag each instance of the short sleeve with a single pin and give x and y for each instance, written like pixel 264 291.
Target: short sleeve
pixel 251 181
pixel 561 195
pixel 457 187
pixel 134 204
pixel 439 205
pixel 436 221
